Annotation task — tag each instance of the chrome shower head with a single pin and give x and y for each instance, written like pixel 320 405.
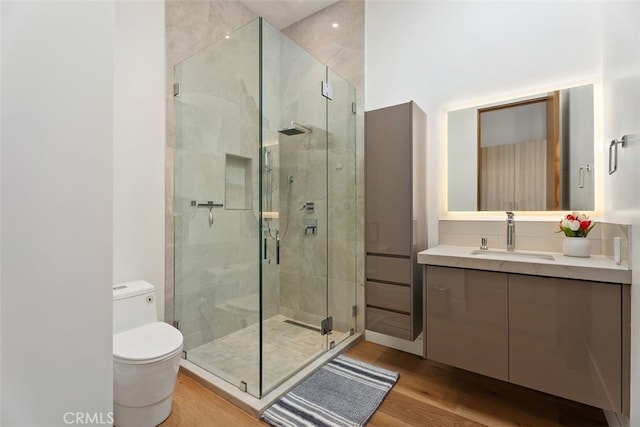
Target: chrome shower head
pixel 295 129
pixel 291 131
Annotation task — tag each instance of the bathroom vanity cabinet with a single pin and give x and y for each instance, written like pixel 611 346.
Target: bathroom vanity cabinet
pixel 565 338
pixel 395 214
pixel 561 336
pixel 389 296
pixel 467 320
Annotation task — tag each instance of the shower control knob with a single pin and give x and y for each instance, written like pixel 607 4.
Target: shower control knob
pixel 308 206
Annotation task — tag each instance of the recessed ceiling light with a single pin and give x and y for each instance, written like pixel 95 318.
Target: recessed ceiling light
pixel 227 37
pixel 335 25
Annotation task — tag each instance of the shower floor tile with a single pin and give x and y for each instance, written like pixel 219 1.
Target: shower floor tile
pixel 287 348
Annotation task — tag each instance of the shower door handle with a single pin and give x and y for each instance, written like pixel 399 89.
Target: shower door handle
pixel 278 251
pixel 264 246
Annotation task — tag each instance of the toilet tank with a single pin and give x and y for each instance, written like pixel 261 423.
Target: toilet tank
pixel 134 305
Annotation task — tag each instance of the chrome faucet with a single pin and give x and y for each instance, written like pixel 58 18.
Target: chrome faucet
pixel 511 232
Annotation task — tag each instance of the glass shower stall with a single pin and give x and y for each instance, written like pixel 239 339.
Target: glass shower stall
pixel 264 208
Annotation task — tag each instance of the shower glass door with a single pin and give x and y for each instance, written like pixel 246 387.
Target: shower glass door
pixel 264 208
pixel 309 208
pixel 342 208
pixel 294 268
pixel 217 208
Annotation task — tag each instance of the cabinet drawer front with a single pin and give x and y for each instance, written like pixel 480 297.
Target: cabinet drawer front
pixel 389 269
pixel 389 323
pixel 393 297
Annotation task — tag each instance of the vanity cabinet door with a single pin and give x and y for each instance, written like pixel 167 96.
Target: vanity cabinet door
pixel 565 338
pixel 467 319
pixel 389 186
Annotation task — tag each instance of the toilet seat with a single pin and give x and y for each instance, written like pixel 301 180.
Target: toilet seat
pixel 146 344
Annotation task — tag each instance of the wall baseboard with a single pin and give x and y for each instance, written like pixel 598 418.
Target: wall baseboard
pixel 413 347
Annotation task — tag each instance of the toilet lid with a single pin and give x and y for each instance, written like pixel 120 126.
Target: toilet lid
pixel 152 341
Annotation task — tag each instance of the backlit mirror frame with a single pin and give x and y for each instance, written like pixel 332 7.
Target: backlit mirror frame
pixel 597 172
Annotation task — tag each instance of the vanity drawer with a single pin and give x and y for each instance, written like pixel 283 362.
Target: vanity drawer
pixel 388 323
pixel 389 269
pixel 393 297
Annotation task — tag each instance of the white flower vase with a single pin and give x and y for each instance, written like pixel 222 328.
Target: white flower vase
pixel 576 247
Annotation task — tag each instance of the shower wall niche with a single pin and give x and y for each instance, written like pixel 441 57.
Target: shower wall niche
pixel 238 182
pixel 263 154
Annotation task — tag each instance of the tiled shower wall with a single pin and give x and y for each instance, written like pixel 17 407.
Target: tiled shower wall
pixel 216 135
pixel 307 259
pixel 190 27
pixel 342 50
pixel 194 25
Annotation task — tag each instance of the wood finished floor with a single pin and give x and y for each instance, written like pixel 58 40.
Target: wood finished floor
pixel 427 394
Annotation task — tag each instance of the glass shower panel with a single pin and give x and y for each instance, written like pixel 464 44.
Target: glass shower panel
pixel 294 273
pixel 342 207
pixel 216 208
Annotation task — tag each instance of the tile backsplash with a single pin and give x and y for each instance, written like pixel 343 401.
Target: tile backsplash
pixel 531 236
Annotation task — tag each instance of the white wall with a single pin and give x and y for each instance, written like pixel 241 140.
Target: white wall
pixel 445 54
pixel 57 211
pixel 440 54
pixel 139 145
pixel 621 72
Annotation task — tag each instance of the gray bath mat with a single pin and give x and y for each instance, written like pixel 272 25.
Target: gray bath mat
pixel 343 392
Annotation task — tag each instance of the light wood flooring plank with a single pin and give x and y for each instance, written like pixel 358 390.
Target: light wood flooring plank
pixel 427 394
pixel 408 411
pixel 196 406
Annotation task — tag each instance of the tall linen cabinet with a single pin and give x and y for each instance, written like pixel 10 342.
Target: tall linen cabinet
pixel 395 141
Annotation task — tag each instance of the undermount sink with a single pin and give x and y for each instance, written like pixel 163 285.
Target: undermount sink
pixel 515 254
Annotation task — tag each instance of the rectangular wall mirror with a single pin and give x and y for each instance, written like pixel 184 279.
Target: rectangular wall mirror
pixel 529 154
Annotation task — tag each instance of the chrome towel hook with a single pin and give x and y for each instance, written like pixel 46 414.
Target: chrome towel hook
pixel 614 146
pixel 581 172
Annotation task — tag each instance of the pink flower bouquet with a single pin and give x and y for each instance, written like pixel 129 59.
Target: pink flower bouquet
pixel 576 224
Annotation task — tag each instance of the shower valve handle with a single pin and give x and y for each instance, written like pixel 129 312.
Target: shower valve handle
pixel 308 206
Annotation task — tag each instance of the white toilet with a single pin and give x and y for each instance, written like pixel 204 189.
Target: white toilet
pixel 146 357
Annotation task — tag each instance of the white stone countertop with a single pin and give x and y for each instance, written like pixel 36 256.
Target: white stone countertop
pixel 595 268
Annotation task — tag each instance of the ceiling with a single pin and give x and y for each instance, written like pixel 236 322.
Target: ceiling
pixel 282 13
